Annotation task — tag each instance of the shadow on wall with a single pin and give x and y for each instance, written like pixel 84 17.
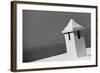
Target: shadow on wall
pixel 87 35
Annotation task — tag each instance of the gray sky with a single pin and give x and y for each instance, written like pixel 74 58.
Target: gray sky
pixel 42 27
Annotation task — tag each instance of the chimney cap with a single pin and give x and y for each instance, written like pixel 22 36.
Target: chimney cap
pixel 72 27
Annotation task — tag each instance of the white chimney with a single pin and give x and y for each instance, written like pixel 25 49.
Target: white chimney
pixel 75 42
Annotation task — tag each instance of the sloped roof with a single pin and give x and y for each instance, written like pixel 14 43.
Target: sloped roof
pixel 72 26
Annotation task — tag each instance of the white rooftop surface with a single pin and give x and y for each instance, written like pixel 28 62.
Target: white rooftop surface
pixel 72 26
pixel 63 57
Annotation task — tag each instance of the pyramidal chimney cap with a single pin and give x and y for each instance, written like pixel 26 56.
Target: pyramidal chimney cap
pixel 72 26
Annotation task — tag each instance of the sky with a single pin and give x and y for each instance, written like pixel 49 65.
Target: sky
pixel 42 28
